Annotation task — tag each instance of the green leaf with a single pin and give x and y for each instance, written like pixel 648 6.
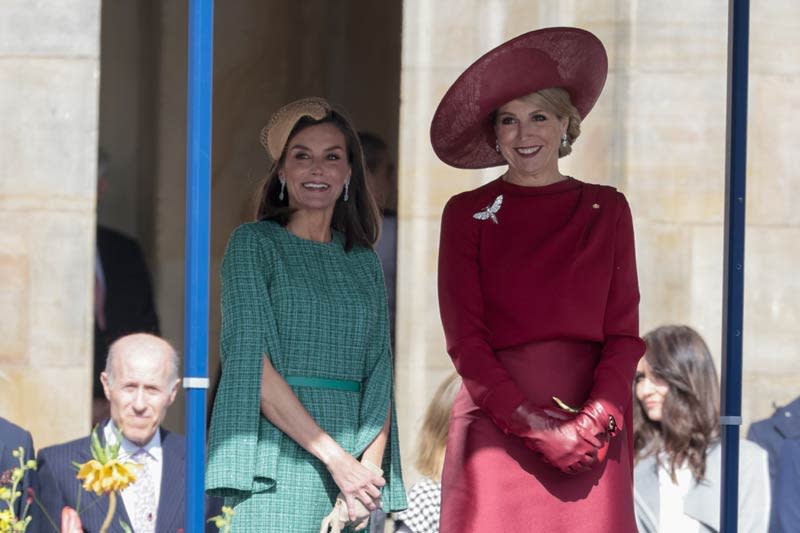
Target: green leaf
pixel 97 450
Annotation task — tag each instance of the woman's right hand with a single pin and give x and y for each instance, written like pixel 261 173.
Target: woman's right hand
pixel 559 438
pixel 356 482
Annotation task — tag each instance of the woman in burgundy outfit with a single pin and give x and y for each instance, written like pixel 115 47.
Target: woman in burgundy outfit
pixel 539 300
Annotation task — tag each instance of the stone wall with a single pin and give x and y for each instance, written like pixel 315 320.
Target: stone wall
pixel 48 140
pixel 658 134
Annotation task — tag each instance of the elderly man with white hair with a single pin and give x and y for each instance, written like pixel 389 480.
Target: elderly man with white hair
pixel 140 382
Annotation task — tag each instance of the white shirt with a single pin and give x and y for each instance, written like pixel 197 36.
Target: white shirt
pixel 128 449
pixel 671 517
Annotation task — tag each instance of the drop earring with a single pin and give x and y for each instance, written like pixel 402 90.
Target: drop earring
pixel 497 146
pixel 564 141
pixel 346 190
pixel 283 186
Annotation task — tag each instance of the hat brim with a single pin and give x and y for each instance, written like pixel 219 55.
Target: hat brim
pixel 572 59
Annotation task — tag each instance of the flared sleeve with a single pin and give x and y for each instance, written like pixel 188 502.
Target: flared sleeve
pixel 378 397
pixel 249 332
pixel 461 306
pixel 622 347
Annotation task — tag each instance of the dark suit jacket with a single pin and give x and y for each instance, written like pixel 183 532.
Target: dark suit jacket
pixel 12 437
pixel 57 486
pixel 786 500
pixel 770 434
pixel 129 306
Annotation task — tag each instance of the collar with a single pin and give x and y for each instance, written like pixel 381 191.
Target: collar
pixel 127 448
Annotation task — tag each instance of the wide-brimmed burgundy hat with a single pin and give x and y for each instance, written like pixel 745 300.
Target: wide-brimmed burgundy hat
pixel 462 133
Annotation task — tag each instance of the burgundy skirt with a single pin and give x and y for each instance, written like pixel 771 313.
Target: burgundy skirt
pixel 492 482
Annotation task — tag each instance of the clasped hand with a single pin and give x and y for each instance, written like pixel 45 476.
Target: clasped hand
pixel 359 483
pixel 570 443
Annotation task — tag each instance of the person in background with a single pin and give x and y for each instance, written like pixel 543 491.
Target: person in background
pixel 424 497
pixel 786 501
pixel 304 408
pixel 381 176
pixel 771 434
pixel 123 294
pixel 677 478
pixel 140 382
pixel 539 297
pixel 12 437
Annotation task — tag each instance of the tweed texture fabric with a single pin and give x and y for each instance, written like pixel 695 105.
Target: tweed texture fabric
pixel 317 311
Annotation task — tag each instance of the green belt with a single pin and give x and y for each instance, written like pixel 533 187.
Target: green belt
pixel 324 383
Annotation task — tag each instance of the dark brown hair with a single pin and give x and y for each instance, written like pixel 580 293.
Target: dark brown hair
pixel 357 218
pixel 689 423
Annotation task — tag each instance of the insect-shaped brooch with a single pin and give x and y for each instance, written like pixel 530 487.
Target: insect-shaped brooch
pixel 490 211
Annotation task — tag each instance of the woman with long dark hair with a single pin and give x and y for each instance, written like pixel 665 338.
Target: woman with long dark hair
pixel 676 440
pixel 304 408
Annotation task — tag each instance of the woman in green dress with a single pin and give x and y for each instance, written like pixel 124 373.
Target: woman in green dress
pixel 304 413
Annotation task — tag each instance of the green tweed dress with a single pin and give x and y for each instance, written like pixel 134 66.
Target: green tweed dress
pixel 318 312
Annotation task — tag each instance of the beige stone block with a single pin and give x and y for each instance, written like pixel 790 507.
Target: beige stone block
pixel 61 270
pixel 675 150
pixel 428 30
pixel 49 259
pixel 418 324
pixel 683 37
pixel 53 403
pixel 773 138
pixel 775 38
pixel 49 129
pixel 772 300
pixel 14 287
pixel 420 356
pixel 63 28
pixel 664 262
pixel 705 281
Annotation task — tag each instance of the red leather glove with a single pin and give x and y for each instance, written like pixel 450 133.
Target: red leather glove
pixel 603 424
pixel 572 444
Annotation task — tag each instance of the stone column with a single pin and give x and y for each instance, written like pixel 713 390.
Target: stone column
pixel 49 65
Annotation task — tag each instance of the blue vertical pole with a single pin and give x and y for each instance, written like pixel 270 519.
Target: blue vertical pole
pixel 198 216
pixel 733 295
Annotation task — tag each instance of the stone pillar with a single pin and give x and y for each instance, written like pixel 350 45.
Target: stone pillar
pixel 657 134
pixel 49 65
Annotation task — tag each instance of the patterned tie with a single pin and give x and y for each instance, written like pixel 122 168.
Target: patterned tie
pixel 144 513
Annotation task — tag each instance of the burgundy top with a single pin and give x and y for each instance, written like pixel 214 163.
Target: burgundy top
pixel 558 264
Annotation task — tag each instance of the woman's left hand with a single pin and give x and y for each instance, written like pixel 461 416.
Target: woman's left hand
pixel 356 482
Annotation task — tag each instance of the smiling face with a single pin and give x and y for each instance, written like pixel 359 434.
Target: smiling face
pixel 650 391
pixel 529 135
pixel 315 167
pixel 140 385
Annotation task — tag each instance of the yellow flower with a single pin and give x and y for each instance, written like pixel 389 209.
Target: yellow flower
pixel 104 478
pixel 6 520
pixel 223 521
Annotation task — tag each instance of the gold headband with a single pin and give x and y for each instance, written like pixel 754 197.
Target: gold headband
pixel 275 134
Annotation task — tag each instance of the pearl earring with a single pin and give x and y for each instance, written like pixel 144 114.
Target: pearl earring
pixel 283 186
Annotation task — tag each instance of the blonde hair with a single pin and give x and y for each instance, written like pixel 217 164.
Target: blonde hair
pixel 433 436
pixel 558 102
